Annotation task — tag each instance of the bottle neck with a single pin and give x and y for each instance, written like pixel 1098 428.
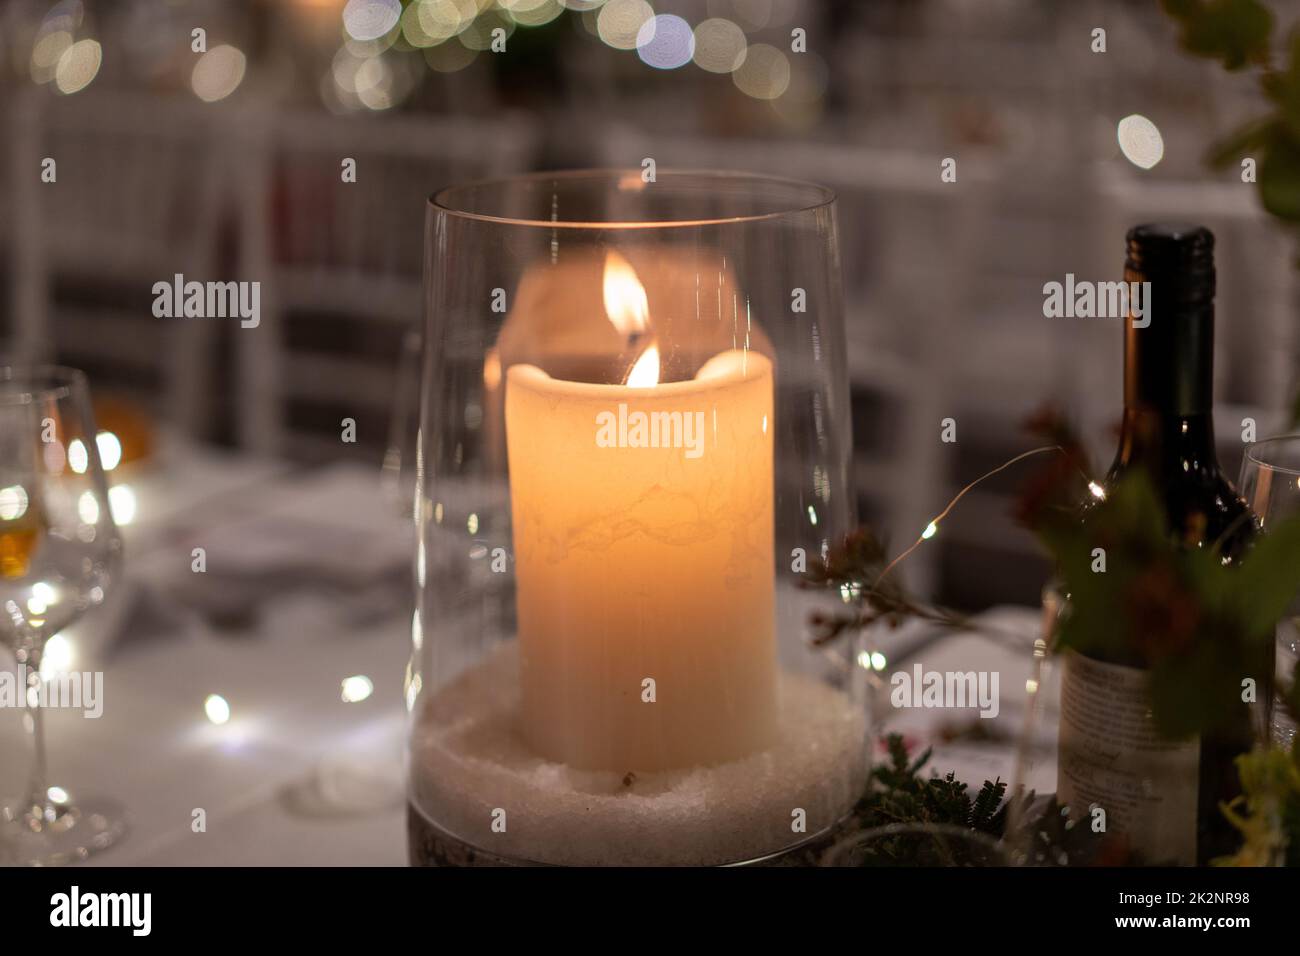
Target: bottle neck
pixel 1169 358
pixel 1169 385
pixel 1169 447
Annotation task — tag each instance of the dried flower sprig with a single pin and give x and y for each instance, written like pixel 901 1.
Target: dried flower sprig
pixel 860 569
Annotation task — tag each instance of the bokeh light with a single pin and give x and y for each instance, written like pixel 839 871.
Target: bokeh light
pixel 477 35
pixel 1140 141
pixel 374 83
pixel 13 502
pixel 217 74
pixel 121 502
pixel 88 508
pixel 58 656
pixel 532 13
pixel 429 22
pixel 665 42
pixel 619 23
pixel 370 19
pixel 64 15
pixel 46 53
pixel 110 450
pixel 78 66
pixel 368 48
pixel 217 709
pixel 356 688
pixel 720 46
pixel 765 74
pixel 78 460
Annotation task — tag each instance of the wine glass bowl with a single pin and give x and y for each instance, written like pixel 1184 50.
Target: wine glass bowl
pixel 60 552
pixel 1270 482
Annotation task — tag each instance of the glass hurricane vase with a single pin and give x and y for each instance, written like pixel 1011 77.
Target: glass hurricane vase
pixel 634 440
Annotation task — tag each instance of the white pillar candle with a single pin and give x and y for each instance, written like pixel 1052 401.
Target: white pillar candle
pixel 643 542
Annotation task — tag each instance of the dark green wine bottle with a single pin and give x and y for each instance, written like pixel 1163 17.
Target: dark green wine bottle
pixel 1163 795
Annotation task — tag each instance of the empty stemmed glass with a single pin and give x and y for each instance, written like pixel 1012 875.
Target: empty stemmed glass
pixel 1270 483
pixel 59 554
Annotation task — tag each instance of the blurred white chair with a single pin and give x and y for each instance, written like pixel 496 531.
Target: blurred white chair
pixel 135 201
pixel 341 262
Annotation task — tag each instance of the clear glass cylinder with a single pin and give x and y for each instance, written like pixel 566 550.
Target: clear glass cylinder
pixel 634 441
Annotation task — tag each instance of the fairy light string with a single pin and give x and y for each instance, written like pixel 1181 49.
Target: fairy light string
pixel 932 528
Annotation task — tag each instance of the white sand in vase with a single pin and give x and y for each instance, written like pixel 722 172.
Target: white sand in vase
pixel 468 760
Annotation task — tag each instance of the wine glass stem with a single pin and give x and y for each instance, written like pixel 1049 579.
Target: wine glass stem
pixel 38 796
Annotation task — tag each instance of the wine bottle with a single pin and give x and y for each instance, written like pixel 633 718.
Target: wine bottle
pixel 1163 795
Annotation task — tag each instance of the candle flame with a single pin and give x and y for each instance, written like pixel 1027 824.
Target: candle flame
pixel 625 299
pixel 645 371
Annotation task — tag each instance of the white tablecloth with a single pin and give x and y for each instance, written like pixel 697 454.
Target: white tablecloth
pixel 298 776
pixel 290 737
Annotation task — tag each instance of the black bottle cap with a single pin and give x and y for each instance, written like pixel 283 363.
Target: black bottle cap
pixel 1169 355
pixel 1176 258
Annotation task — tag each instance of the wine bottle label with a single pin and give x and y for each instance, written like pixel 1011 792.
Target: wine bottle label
pixel 1112 757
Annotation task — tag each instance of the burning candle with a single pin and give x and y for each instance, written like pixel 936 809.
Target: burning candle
pixel 643 541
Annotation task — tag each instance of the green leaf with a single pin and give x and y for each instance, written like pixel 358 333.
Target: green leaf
pixel 1129 526
pixel 1181 9
pixel 1236 32
pixel 1279 179
pixel 1283 87
pixel 1198 691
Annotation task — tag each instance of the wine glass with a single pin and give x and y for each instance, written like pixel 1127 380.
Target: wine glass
pixel 1270 483
pixel 59 554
